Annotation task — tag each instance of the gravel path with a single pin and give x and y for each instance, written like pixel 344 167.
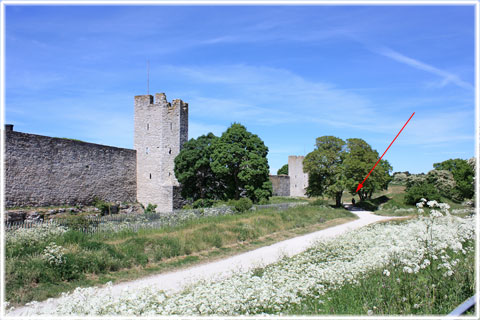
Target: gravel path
pixel 176 280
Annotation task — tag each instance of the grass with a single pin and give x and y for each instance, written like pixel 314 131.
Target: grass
pixel 427 292
pixel 98 258
pixel 278 199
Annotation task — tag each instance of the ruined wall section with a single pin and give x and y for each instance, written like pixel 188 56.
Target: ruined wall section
pixel 280 185
pixel 44 171
pixel 161 128
pixel 298 179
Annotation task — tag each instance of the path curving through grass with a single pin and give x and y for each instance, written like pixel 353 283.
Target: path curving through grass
pixel 175 281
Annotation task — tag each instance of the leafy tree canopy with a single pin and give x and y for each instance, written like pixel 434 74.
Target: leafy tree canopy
pixel 324 165
pixel 283 170
pixel 193 171
pixel 463 172
pixel 335 166
pixel 239 159
pixel 359 160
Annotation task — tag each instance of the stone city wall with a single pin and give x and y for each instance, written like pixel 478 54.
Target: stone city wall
pixel 280 185
pixel 43 171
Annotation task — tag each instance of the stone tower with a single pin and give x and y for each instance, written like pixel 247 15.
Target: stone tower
pixel 298 179
pixel 161 129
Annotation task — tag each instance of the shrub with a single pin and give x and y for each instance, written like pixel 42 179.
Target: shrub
pixel 264 201
pixel 203 203
pixel 241 205
pixel 103 206
pixel 150 208
pixel 421 190
pixel 77 222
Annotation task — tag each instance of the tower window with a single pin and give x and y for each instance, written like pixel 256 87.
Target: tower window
pixel 146 150
pixel 150 176
pixel 148 126
pixel 169 151
pixel 171 126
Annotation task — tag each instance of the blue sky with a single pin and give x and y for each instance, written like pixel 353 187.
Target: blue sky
pixel 290 74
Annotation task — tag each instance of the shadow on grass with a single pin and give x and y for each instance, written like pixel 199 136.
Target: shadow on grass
pixel 372 204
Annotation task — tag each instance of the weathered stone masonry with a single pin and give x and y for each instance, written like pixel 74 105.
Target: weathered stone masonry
pixel 280 185
pixel 42 171
pixel 161 129
pixel 298 179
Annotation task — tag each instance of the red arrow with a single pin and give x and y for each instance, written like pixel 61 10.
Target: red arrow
pixel 360 185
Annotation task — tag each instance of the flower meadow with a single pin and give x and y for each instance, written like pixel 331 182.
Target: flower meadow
pixel 429 252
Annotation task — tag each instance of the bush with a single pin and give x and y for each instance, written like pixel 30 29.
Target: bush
pixel 77 222
pixel 203 203
pixel 264 201
pixel 150 208
pixel 103 206
pixel 241 205
pixel 421 190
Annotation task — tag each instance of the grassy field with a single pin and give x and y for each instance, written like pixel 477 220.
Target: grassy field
pixel 43 263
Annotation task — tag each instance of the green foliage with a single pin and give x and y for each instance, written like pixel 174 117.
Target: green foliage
pixel 421 190
pixel 359 160
pixel 241 205
pixel 336 165
pixel 193 169
pixel 239 160
pixel 77 222
pixel 400 178
pixel 203 203
pixel 230 167
pixel 463 172
pixel 103 206
pixel 283 169
pixel 264 201
pixel 444 182
pixel 324 165
pixel 150 208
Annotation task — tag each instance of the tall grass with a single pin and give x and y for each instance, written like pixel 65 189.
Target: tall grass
pixel 89 256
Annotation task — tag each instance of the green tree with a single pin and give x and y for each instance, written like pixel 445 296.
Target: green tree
pixel 239 160
pixel 283 170
pixel 324 165
pixel 359 160
pixel 463 174
pixel 193 170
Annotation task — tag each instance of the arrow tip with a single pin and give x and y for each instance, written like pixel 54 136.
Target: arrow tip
pixel 359 187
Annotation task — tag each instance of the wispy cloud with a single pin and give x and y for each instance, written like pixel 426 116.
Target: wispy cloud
pixel 446 77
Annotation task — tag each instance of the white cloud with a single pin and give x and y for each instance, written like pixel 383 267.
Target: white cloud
pixel 446 77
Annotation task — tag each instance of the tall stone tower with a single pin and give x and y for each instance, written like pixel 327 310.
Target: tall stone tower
pixel 298 179
pixel 161 129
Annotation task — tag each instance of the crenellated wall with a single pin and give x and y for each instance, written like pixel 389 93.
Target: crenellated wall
pixel 44 171
pixel 161 129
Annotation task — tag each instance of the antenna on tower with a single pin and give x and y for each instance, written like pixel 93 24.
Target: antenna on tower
pixel 148 77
